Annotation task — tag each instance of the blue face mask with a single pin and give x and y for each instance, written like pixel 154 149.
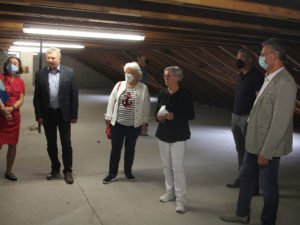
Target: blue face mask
pixel 11 68
pixel 262 62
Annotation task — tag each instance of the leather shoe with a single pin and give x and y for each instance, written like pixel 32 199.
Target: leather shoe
pixel 11 177
pixel 53 175
pixel 236 219
pixel 235 184
pixel 69 178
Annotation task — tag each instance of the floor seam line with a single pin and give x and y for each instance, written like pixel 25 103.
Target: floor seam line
pixel 89 203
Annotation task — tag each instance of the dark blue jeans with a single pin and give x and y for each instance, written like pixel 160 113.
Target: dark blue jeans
pixel 268 179
pixel 119 133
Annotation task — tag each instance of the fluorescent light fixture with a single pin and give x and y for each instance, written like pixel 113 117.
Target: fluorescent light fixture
pixel 48 44
pixel 25 49
pixel 85 34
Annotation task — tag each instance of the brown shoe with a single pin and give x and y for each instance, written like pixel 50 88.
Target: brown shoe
pixel 69 178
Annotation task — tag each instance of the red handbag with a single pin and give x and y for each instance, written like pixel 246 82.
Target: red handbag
pixel 108 131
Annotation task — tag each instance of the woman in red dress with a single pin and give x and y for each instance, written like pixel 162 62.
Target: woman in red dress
pixel 10 111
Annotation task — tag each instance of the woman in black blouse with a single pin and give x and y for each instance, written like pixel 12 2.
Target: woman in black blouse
pixel 174 110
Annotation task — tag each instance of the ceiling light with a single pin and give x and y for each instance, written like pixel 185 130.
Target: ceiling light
pixel 48 44
pixel 25 49
pixel 83 33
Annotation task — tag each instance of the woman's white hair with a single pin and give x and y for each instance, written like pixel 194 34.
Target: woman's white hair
pixel 134 69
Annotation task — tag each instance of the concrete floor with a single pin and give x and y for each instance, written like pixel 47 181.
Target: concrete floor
pixel 210 164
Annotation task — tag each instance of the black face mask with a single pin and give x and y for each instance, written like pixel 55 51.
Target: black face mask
pixel 240 63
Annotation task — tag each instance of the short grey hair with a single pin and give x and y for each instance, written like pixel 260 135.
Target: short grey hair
pixel 176 71
pixel 135 68
pixel 278 47
pixel 51 50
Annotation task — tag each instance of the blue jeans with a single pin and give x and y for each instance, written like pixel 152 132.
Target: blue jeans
pixel 268 179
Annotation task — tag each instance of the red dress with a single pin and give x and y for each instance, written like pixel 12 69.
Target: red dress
pixel 10 129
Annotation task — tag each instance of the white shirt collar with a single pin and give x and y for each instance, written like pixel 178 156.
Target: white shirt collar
pixel 270 76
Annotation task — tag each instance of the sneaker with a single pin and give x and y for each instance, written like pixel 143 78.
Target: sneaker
pixel 180 207
pixel 130 177
pixel 109 178
pixel 236 219
pixel 167 197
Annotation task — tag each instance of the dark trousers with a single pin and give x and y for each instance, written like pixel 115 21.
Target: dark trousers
pixel 51 124
pixel 268 178
pixel 239 129
pixel 119 133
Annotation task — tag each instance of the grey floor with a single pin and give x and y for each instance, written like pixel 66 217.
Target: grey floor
pixel 210 163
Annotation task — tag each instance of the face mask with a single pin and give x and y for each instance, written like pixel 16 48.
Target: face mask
pixel 129 78
pixel 262 62
pixel 240 64
pixel 11 68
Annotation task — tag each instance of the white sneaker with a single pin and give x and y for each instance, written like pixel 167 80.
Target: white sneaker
pixel 168 196
pixel 180 207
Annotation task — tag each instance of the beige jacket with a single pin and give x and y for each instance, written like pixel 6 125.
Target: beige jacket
pixel 270 124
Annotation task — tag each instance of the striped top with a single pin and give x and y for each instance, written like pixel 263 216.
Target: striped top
pixel 126 107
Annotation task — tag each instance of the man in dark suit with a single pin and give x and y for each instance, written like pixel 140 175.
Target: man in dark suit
pixel 56 106
pixel 269 136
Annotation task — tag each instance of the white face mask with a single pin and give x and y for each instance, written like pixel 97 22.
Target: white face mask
pixel 129 77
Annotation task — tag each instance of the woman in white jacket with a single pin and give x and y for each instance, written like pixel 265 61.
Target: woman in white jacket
pixel 127 110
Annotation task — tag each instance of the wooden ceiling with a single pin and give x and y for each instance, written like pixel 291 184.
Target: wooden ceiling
pixel 201 36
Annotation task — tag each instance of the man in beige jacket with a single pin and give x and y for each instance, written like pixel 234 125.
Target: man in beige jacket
pixel 269 135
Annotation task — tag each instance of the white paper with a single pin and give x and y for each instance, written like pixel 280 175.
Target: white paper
pixel 162 111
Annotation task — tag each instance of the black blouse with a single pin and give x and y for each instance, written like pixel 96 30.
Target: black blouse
pixel 181 104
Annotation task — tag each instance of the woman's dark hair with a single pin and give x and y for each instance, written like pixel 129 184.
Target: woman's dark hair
pixel 5 72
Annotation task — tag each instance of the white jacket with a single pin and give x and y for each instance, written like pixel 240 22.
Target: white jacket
pixel 142 104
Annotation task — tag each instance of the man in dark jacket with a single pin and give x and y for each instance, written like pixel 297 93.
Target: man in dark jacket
pixel 249 83
pixel 56 106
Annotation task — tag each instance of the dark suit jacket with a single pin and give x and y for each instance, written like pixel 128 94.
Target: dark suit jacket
pixel 67 94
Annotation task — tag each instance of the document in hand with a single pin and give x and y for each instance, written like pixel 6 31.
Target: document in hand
pixel 162 111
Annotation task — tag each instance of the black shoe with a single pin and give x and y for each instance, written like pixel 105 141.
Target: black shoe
pixel 10 177
pixel 130 177
pixel 69 178
pixel 53 175
pixel 109 178
pixel 235 184
pixel 236 219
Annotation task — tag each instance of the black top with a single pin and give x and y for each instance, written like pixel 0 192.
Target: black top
pixel 181 104
pixel 245 92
